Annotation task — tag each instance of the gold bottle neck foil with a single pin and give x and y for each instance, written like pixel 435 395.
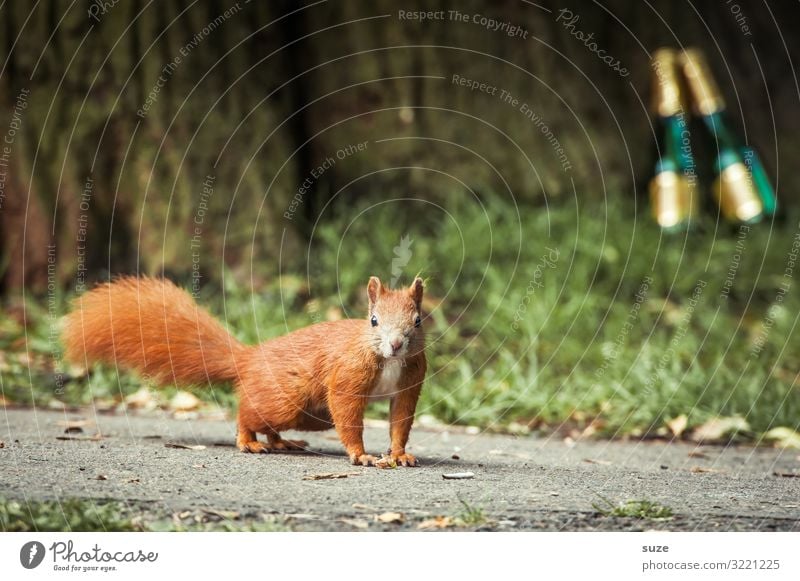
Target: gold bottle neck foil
pixel 666 91
pixel 736 194
pixel 673 199
pixel 706 97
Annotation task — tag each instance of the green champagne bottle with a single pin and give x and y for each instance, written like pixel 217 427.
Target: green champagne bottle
pixel 672 190
pixel 742 190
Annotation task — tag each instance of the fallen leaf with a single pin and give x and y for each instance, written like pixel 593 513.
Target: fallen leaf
pixel 438 522
pixel 301 516
pixel 787 474
pixel 73 430
pixel 677 425
pixel 355 523
pixel 95 438
pixel 101 477
pixel 703 470
pixel 143 398
pixel 198 465
pixel 183 401
pixel 330 475
pixel 459 476
pixel 359 506
pixel 184 446
pixel 593 461
pixel 223 514
pixel 697 454
pixel 783 437
pixel 718 428
pixel 391 518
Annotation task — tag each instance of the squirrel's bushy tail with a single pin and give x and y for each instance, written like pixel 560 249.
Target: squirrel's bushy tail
pixel 153 327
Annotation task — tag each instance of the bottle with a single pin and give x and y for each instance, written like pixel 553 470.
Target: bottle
pixel 742 190
pixel 672 190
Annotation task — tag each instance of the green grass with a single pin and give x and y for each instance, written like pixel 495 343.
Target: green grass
pixel 68 515
pixel 470 515
pixel 80 515
pixel 535 319
pixel 641 509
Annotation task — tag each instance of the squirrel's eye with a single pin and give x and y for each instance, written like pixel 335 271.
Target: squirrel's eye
pixel 374 321
pixel 417 321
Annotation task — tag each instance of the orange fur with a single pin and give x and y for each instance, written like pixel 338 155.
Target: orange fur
pixel 315 378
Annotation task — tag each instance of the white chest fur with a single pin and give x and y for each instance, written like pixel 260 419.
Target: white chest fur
pixel 388 382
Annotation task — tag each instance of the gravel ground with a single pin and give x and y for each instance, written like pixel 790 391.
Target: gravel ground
pixel 519 483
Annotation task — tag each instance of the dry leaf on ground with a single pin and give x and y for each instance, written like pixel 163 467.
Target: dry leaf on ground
pixel 438 522
pixel 677 425
pixel 719 428
pixel 143 399
pixel 787 474
pixel 184 446
pixel 183 401
pixel 330 475
pixel 95 438
pixel 783 437
pixel 391 518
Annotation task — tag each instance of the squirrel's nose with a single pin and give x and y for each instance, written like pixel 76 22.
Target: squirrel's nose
pixel 396 344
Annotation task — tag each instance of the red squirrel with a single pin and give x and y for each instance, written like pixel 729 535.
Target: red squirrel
pixel 315 378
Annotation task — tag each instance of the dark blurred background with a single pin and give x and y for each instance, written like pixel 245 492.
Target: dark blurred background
pixel 264 92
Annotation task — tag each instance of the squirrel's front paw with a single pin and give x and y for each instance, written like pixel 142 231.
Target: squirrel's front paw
pixel 363 459
pixel 394 460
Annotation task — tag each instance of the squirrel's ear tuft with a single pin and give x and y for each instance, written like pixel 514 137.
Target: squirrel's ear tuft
pixel 416 290
pixel 374 289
